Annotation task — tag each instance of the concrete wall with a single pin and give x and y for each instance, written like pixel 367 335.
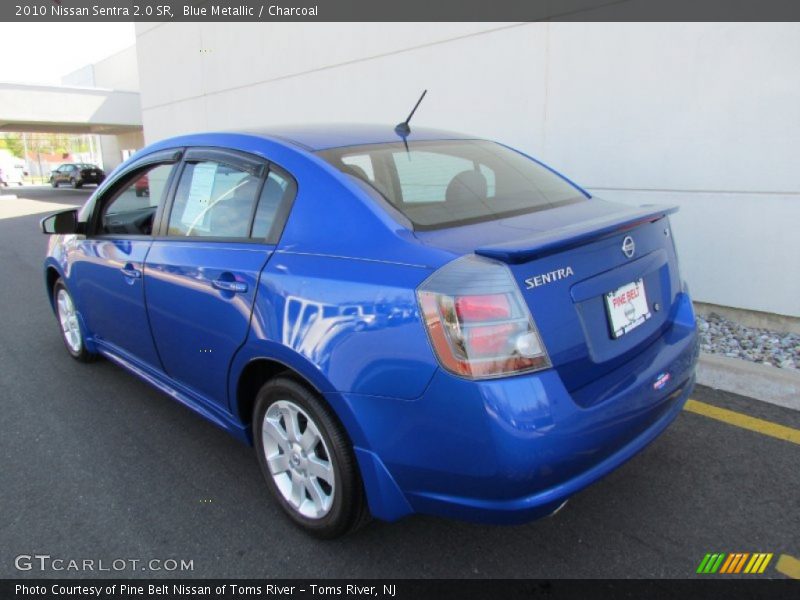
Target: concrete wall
pixel 120 71
pixel 72 110
pixel 702 115
pixel 111 147
pixel 83 77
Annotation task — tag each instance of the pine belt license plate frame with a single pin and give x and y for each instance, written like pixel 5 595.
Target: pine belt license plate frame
pixel 626 308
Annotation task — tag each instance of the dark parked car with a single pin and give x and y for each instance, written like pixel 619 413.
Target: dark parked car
pixel 77 174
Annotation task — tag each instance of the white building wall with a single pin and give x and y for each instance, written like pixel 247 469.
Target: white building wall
pixel 119 72
pixel 706 116
pixel 83 77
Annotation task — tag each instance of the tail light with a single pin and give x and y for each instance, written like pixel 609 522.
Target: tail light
pixel 478 322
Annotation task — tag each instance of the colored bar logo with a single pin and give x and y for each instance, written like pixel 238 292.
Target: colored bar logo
pixel 737 562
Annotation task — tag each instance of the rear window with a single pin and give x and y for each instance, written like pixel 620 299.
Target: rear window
pixel 447 183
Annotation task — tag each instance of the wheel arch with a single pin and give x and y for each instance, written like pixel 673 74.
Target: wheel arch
pixel 51 275
pixel 254 375
pixel 385 499
pixel 258 368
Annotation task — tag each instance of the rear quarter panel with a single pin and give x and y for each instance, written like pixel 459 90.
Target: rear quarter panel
pixel 354 322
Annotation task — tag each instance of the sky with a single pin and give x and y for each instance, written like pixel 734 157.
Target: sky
pixel 43 52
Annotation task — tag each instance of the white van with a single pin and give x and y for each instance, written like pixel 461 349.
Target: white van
pixel 12 171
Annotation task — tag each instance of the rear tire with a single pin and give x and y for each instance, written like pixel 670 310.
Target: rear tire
pixel 307 460
pixel 75 184
pixel 71 331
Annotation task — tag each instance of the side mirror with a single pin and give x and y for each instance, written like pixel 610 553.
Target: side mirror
pixel 64 222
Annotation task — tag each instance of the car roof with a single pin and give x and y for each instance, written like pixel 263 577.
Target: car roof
pixel 326 136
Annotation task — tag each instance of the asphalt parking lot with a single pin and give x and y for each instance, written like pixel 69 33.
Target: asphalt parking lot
pixel 96 464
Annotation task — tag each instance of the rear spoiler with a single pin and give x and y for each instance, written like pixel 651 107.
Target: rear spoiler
pixel 577 234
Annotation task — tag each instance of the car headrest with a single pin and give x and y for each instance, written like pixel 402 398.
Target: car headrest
pixel 247 190
pixel 356 171
pixel 467 186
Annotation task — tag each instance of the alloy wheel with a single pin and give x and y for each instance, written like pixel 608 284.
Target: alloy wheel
pixel 68 318
pixel 299 460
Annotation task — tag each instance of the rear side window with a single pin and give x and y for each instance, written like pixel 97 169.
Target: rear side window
pixel 454 182
pixel 213 200
pixel 276 196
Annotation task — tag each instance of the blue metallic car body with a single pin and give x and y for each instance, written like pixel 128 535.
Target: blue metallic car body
pixel 340 311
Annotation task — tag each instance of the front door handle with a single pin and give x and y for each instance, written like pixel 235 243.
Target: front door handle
pixel 236 287
pixel 129 271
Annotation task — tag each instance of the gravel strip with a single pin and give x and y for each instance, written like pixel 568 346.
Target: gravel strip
pixel 719 335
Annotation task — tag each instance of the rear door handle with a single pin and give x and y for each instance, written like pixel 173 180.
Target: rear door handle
pixel 237 287
pixel 129 271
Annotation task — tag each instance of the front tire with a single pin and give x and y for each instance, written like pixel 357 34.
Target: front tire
pixel 53 182
pixel 307 460
pixel 71 330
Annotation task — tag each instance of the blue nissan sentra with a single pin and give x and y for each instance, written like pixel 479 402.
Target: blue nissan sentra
pixel 426 323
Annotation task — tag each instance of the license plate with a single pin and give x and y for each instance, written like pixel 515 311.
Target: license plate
pixel 627 308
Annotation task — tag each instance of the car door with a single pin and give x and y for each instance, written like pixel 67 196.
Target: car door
pixel 60 172
pixel 202 273
pixel 107 267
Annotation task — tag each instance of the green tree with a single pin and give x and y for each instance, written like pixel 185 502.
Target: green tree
pixel 13 143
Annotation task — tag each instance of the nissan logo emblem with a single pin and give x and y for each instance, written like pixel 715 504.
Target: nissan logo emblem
pixel 628 246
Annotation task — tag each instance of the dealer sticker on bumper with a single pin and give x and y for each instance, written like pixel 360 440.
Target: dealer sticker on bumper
pixel 627 308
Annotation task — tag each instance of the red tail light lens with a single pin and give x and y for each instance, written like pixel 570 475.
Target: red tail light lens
pixel 486 307
pixel 478 322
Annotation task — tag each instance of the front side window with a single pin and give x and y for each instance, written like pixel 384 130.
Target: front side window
pixel 213 200
pixel 455 182
pixel 132 209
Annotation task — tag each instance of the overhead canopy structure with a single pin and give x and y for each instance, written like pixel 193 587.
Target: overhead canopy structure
pixel 60 109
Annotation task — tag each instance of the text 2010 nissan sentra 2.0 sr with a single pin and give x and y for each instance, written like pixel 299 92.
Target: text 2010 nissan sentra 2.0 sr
pixel 434 324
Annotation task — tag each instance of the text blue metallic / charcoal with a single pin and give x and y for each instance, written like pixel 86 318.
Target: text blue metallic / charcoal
pixel 335 300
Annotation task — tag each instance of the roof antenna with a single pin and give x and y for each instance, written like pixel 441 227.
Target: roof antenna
pixel 402 129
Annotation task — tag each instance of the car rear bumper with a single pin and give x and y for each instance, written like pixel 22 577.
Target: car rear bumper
pixel 514 449
pixel 544 502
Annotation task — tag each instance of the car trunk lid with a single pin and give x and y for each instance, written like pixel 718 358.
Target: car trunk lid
pixel 567 261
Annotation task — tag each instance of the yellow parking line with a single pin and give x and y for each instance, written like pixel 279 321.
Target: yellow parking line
pixel 736 419
pixel 789 566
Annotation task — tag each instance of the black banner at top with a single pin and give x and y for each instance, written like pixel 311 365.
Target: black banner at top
pixel 403 10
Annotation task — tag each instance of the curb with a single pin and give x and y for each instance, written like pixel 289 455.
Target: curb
pixel 762 382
